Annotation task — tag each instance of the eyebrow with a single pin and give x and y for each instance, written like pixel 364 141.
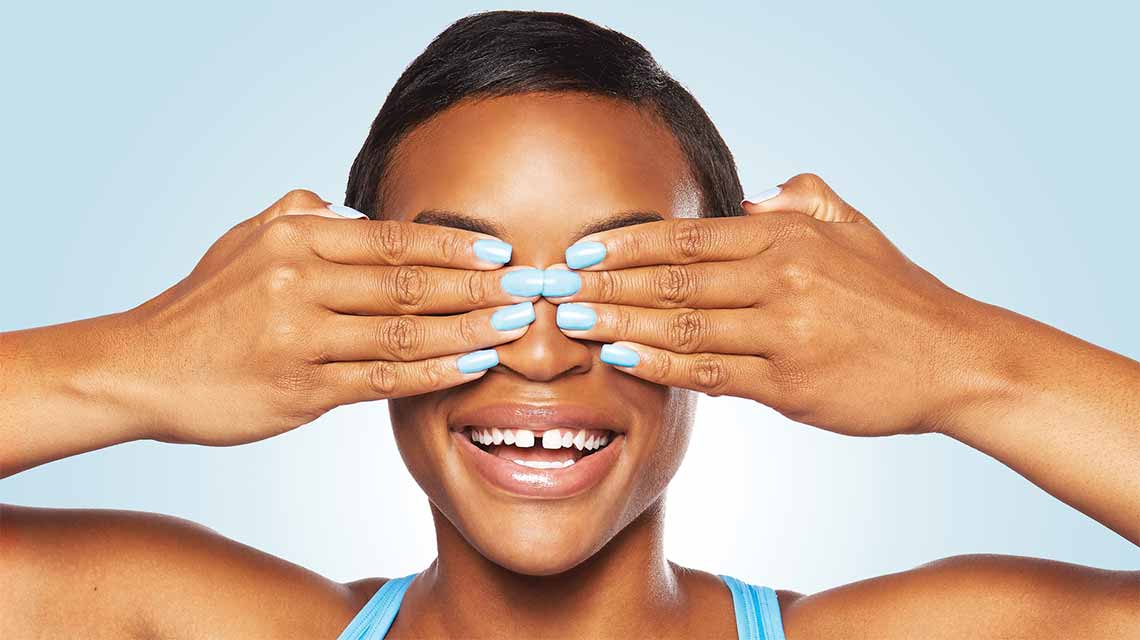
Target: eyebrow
pixel 457 220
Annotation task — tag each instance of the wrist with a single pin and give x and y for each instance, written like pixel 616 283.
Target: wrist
pixel 109 377
pixel 986 372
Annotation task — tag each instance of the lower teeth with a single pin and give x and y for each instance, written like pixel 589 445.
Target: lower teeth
pixel 542 464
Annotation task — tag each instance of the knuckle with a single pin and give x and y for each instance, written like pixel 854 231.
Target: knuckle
pixel 796 276
pixel 401 337
pixel 673 285
pixel 622 321
pixel 383 378
pixel 811 183
pixel 434 373
pixel 284 278
pixel 690 239
pixel 687 330
pixel 709 374
pixel 390 241
pixel 801 331
pixel 409 287
pixel 469 329
pixel 300 199
pixel 475 287
pixel 287 231
pixel 450 245
pixel 661 367
pixel 608 287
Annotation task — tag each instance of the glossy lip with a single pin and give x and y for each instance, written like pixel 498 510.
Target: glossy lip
pixel 517 480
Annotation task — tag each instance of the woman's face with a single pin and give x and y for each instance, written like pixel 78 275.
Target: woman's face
pixel 540 171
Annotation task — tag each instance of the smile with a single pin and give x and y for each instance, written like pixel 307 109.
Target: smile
pixel 538 452
pixel 559 447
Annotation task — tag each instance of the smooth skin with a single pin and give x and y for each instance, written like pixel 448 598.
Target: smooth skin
pixel 802 305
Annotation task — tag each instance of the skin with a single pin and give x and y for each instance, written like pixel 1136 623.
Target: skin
pixel 801 304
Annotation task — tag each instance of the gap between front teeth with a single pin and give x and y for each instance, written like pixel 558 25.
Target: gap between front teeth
pixel 581 439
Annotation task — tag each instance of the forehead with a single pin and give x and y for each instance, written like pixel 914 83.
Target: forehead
pixel 541 167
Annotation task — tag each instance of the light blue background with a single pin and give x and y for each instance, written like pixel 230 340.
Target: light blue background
pixel 994 143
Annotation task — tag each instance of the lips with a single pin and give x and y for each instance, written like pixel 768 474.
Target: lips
pixel 549 451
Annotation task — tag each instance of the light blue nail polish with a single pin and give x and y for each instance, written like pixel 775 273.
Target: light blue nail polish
pixel 477 361
pixel 495 251
pixel 619 356
pixel 523 282
pixel 583 254
pixel 575 317
pixel 762 196
pixel 345 212
pixel 513 317
pixel 560 282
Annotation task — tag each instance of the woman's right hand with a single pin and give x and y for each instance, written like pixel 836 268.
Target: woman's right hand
pixel 297 310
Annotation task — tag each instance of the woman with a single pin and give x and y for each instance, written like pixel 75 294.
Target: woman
pixel 538 296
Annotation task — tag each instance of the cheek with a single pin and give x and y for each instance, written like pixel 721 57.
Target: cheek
pixel 671 441
pixel 414 424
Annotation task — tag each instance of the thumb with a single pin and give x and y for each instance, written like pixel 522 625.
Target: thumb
pixel 806 193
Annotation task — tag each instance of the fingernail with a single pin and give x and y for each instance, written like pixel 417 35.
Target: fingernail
pixel 560 282
pixel 477 361
pixel 523 282
pixel 575 317
pixel 495 251
pixel 619 356
pixel 345 212
pixel 762 196
pixel 513 317
pixel 583 254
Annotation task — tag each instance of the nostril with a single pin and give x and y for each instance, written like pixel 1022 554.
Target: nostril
pixel 544 352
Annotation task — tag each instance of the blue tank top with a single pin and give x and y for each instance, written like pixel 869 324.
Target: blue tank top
pixel 756 608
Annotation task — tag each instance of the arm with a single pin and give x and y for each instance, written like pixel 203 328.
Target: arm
pixel 1061 412
pixel 804 305
pixel 286 317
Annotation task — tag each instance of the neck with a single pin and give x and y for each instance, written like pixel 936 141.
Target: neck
pixel 626 586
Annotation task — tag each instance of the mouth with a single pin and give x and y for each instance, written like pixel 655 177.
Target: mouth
pixel 538 452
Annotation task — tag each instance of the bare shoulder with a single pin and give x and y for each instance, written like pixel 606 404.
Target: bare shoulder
pixel 69 572
pixel 974 596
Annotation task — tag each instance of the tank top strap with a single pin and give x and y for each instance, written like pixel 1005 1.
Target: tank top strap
pixel 757 611
pixel 372 622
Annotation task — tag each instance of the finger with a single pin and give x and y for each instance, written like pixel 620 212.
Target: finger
pixel 808 194
pixel 416 290
pixel 676 241
pixel 708 285
pixel 395 242
pixel 712 374
pixel 732 331
pixel 298 202
pixel 407 338
pixel 349 382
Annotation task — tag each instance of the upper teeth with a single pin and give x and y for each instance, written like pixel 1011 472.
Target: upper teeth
pixel 588 439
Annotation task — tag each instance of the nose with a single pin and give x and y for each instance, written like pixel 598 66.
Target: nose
pixel 544 353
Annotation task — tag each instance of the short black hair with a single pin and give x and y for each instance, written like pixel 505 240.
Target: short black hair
pixel 501 53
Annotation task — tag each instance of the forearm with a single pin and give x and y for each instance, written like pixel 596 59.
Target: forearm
pixel 1061 412
pixel 64 390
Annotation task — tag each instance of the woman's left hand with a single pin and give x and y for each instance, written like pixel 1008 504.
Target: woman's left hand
pixel 802 304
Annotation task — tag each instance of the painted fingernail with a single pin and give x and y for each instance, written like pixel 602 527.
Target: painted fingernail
pixel 619 356
pixel 523 282
pixel 345 212
pixel 560 282
pixel 513 317
pixel 762 196
pixel 575 317
pixel 495 251
pixel 584 254
pixel 477 361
